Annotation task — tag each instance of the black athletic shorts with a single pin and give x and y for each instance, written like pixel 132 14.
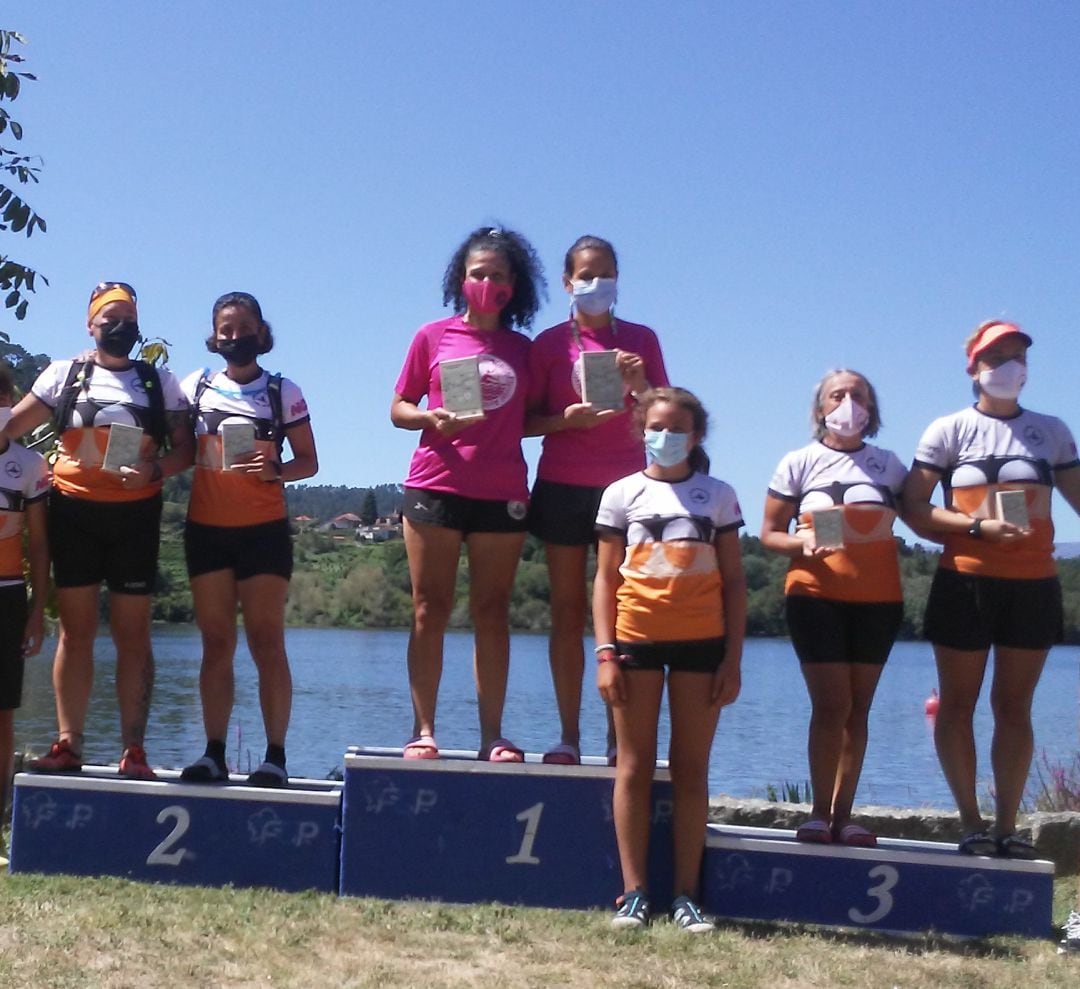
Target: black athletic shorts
pixel 564 514
pixel 824 631
pixel 246 550
pixel 466 515
pixel 692 656
pixel 973 613
pixel 13 612
pixel 111 541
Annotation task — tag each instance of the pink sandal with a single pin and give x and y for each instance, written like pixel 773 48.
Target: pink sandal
pixel 420 747
pixel 814 832
pixel 501 750
pixel 563 754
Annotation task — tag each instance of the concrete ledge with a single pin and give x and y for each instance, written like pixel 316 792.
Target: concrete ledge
pixel 1057 836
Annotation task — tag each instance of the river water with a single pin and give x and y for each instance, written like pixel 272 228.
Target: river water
pixel 351 689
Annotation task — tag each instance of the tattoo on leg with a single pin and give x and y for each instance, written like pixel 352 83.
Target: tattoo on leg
pixel 135 733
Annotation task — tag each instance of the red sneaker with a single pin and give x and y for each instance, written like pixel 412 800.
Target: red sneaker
pixel 133 764
pixel 61 759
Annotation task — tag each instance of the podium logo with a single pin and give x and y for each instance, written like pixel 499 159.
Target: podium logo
pixel 38 809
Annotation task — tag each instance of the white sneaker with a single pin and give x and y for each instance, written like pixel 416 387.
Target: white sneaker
pixel 1070 943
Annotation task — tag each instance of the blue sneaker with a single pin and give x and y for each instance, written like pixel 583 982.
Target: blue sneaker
pixel 633 911
pixel 686 914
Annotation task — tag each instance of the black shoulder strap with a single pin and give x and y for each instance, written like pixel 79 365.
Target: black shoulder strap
pixel 277 417
pixel 151 382
pixel 69 394
pixel 200 387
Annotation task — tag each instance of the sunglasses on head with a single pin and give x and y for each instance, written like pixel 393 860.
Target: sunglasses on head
pixel 106 286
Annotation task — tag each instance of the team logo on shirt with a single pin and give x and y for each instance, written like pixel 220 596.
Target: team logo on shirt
pixel 516 510
pixel 699 496
pixel 498 382
pixel 13 468
pixel 872 463
pixel 1033 436
pixel 298 408
pixel 261 398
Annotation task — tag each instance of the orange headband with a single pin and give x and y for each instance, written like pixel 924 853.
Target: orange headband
pixel 113 294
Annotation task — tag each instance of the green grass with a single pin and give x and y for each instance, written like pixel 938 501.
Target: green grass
pixel 61 932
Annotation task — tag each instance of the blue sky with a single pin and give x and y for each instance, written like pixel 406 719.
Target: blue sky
pixel 791 187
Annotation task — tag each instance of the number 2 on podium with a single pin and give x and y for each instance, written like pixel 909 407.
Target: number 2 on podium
pixel 531 819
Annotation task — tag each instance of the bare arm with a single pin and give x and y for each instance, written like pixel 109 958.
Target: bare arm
pixel 728 679
pixel 1068 483
pixel 28 414
pixel 408 415
pixel 610 551
pixel 929 520
pixel 38 557
pixel 776 534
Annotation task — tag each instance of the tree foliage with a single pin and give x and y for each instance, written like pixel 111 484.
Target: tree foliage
pixel 16 169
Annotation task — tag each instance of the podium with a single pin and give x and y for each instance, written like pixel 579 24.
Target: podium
pixel 465 831
pixel 764 874
pixel 95 824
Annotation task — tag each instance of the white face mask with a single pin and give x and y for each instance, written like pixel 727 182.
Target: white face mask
pixel 5 415
pixel 1004 381
pixel 848 419
pixel 594 297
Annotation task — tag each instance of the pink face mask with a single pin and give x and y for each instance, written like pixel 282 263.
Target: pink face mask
pixel 486 296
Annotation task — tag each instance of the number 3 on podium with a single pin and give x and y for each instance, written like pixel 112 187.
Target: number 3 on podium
pixel 881 892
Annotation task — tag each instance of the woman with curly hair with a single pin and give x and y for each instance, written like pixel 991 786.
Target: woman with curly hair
pixel 467 480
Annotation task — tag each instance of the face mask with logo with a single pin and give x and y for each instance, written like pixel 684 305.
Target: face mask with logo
pixel 486 296
pixel 848 419
pixel 239 351
pixel 665 448
pixel 118 337
pixel 594 297
pixel 1004 381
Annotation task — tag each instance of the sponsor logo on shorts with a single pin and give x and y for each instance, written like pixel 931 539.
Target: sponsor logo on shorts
pixel 516 510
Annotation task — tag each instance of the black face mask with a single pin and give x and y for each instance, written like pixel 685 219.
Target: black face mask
pixel 118 337
pixel 239 351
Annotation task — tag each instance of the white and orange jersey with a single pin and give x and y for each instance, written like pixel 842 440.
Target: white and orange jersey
pixel 866 483
pixel 978 455
pixel 24 478
pixel 104 397
pixel 671 583
pixel 228 497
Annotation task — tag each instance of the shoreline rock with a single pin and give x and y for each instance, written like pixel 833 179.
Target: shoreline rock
pixel 1056 835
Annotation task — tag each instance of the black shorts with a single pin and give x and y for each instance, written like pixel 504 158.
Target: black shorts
pixel 246 550
pixel 111 541
pixel 692 656
pixel 824 631
pixel 466 515
pixel 564 514
pixel 973 613
pixel 13 612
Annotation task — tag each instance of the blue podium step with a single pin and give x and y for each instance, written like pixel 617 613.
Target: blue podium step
pixel 465 831
pixel 764 874
pixel 95 824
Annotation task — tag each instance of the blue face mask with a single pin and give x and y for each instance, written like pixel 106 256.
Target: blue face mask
pixel 594 297
pixel 665 448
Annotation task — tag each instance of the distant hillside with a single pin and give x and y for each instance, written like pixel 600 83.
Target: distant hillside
pixel 1067 551
pixel 327 501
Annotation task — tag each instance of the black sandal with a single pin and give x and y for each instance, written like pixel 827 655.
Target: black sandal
pixel 1012 846
pixel 978 843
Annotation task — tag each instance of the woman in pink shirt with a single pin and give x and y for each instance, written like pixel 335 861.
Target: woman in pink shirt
pixel 585 449
pixel 467 480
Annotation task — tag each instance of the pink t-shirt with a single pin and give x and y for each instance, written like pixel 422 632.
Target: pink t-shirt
pixel 484 460
pixel 589 457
